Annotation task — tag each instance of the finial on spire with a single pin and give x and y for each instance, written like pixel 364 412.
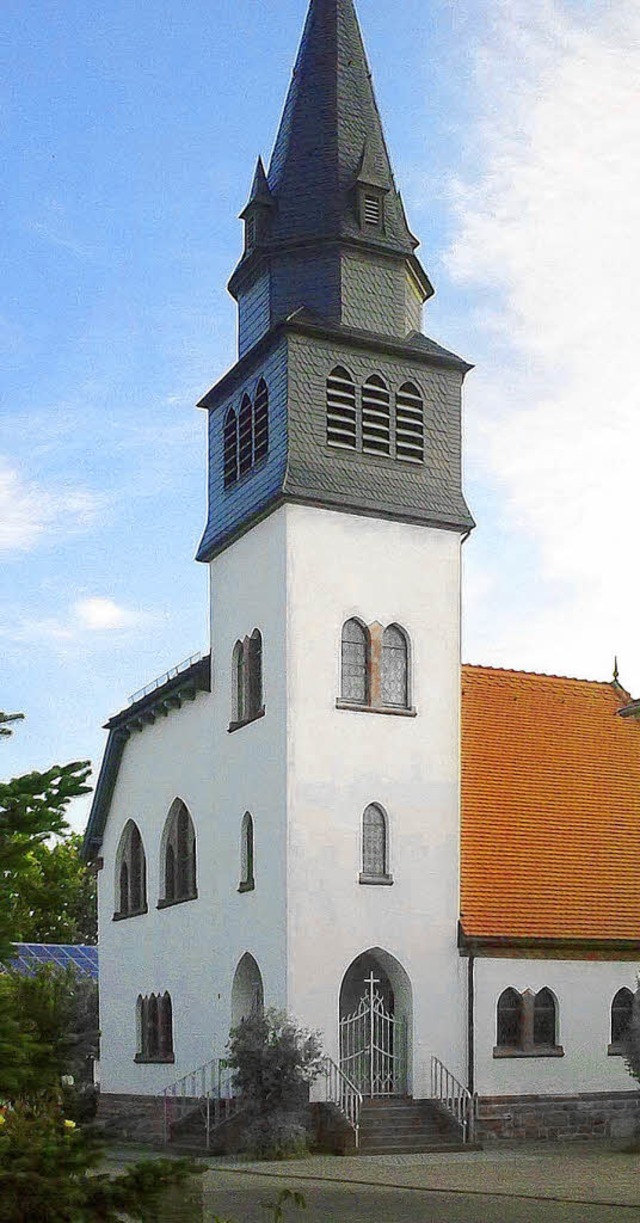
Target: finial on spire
pixel 616 672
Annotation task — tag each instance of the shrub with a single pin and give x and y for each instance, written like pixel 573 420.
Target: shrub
pixel 279 1135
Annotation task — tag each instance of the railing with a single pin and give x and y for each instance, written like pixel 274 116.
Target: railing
pixel 339 1090
pixel 163 679
pixel 457 1099
pixel 209 1090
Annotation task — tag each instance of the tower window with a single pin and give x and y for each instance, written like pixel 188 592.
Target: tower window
pixel 355 663
pixel 248 698
pixel 230 448
pixel 246 437
pixel 375 669
pixel 341 409
pixel 261 422
pixel 373 211
pixel 178 857
pixel 394 677
pixel 375 848
pixel 409 424
pixel 376 431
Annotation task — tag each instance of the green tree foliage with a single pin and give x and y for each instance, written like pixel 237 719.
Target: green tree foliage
pixel 631 1042
pixel 5 720
pixel 54 897
pixel 59 1014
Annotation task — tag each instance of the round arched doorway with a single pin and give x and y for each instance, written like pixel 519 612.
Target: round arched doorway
pixel 376 1024
pixel 247 991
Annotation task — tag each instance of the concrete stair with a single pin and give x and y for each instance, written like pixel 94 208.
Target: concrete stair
pixel 401 1126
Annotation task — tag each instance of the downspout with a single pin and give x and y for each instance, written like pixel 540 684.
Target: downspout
pixel 471 1055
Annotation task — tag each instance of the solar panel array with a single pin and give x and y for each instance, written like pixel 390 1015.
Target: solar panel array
pixel 31 956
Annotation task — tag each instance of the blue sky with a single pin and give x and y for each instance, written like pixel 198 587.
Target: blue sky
pixel 129 135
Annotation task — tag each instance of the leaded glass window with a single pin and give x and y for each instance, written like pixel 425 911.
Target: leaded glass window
pixel 544 1018
pixel 131 868
pixel 179 843
pixel 395 670
pixel 621 1014
pixel 355 663
pixel 374 842
pixel 510 1015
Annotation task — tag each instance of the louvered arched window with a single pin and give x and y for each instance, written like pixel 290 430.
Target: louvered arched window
pixel 355 663
pixel 544 1018
pixel 409 424
pixel 179 856
pixel 621 1016
pixel 375 848
pixel 261 422
pixel 510 1020
pixel 230 448
pixel 341 409
pixel 376 421
pixel 131 873
pixel 245 434
pixel 247 877
pixel 394 679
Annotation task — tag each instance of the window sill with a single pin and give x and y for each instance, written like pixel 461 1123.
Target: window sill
pixel 539 1051
pixel 248 886
pixel 381 881
pixel 394 711
pixel 255 717
pixel 616 1051
pixel 133 913
pixel 180 900
pixel 167 1059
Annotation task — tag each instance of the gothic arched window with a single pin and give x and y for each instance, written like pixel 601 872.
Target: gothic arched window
pixel 375 845
pixel 245 436
pixel 510 1020
pixel 409 424
pixel 154 1029
pixel 261 422
pixel 178 856
pixel 394 678
pixel 230 448
pixel 355 663
pixel 341 409
pixel 248 691
pixel 544 1019
pixel 131 873
pixel 621 1015
pixel 247 876
pixel 376 416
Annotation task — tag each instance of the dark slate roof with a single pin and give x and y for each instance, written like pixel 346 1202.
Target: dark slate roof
pixel 171 694
pixel 28 957
pixel 330 134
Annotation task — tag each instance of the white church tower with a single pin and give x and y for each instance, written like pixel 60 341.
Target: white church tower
pixel 280 823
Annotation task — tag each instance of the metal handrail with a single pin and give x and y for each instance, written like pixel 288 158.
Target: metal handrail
pixel 454 1096
pixel 209 1087
pixel 172 673
pixel 340 1090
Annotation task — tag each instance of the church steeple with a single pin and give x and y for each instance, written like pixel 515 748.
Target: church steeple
pixel 330 189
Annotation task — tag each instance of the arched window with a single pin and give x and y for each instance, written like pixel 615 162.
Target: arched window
pixel 621 1016
pixel 166 1027
pixel 376 423
pixel 154 1029
pixel 409 424
pixel 355 663
pixel 230 448
pixel 510 1016
pixel 247 878
pixel 341 409
pixel 248 692
pixel 246 436
pixel 375 849
pixel 178 851
pixel 255 674
pixel 544 1018
pixel 394 680
pixel 131 873
pixel 261 422
pixel 239 682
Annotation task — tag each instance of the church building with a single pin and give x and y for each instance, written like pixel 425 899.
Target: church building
pixel 433 865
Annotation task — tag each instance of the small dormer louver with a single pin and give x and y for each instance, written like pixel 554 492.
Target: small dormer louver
pixel 409 424
pixel 341 409
pixel 373 211
pixel 376 425
pixel 250 233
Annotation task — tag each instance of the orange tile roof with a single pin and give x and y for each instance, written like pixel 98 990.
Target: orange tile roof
pixel 550 808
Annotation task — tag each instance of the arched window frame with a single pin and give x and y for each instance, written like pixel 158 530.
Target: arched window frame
pixel 247 854
pixel 261 422
pixel 374 857
pixel 247 703
pixel 509 1020
pixel 621 1015
pixel 131 874
pixel 178 857
pixel 245 437
pixel 376 698
pixel 355 663
pixel 342 409
pixel 376 416
pixel 538 1009
pixel 409 424
pixel 230 447
pixel 154 1029
pixel 395 690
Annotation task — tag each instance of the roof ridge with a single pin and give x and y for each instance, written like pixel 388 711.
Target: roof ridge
pixel 571 679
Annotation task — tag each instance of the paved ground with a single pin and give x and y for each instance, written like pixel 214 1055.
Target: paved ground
pixel 548 1184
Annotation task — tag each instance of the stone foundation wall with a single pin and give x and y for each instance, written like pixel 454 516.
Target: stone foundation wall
pixel 134 1118
pixel 557 1118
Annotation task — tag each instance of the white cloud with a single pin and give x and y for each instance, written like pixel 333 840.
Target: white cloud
pixel 550 225
pixel 93 616
pixel 29 511
pixel 99 615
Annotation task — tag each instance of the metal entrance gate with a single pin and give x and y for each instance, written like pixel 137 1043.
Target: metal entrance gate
pixel 373 1046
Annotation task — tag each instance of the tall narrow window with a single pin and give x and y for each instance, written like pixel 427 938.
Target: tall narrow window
pixel 395 668
pixel 255 674
pixel 154 1029
pixel 124 889
pixel 374 844
pixel 510 1014
pixel 261 417
pixel 355 663
pixel 170 874
pixel 178 848
pixel 409 424
pixel 376 428
pixel 544 1018
pixel 239 682
pixel 341 409
pixel 248 688
pixel 246 437
pixel 166 1027
pixel 230 448
pixel 131 873
pixel 247 879
pixel 621 1016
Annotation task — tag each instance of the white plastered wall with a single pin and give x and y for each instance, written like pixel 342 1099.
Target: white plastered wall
pixel 584 991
